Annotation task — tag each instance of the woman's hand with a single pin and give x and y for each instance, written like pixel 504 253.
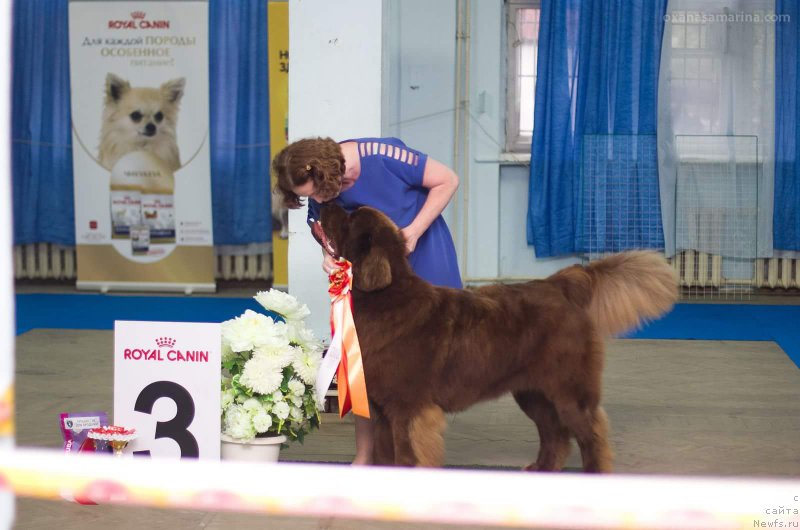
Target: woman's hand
pixel 442 184
pixel 328 263
pixel 411 236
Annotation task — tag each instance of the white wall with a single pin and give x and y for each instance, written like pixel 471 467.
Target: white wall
pixel 334 90
pixel 486 138
pixel 419 65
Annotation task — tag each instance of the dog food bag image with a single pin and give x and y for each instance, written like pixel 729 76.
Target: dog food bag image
pixel 140 239
pixel 158 206
pixel 155 185
pixel 126 201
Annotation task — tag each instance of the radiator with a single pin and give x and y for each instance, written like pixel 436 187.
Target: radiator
pixel 699 269
pixel 696 269
pixel 45 261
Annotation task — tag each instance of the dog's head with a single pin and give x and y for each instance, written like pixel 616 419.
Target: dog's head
pixel 370 241
pixel 140 114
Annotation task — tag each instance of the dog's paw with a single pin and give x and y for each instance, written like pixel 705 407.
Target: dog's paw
pixel 536 466
pixel 531 467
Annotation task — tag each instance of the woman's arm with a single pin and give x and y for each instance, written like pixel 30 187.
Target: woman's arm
pixel 442 183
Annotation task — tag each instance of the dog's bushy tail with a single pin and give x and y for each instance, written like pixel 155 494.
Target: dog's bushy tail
pixel 627 289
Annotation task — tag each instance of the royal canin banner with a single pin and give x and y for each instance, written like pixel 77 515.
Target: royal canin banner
pixel 140 122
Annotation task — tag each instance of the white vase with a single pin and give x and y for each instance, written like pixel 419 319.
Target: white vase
pixel 255 450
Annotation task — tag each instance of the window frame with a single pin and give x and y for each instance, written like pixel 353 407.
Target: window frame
pixel 516 142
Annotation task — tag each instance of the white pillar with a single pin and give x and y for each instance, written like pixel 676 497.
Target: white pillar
pixel 7 337
pixel 334 90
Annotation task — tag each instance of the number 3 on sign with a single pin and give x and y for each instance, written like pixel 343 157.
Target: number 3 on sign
pixel 176 428
pixel 166 386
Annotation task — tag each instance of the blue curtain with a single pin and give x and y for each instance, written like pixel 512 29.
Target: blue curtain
pixel 597 74
pixel 786 219
pixel 239 122
pixel 240 154
pixel 41 157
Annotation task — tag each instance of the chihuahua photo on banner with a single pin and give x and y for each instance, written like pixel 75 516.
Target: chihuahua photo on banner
pixel 140 119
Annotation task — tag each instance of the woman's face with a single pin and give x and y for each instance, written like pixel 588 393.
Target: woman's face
pixel 309 190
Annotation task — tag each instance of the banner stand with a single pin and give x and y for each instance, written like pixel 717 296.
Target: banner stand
pixel 185 288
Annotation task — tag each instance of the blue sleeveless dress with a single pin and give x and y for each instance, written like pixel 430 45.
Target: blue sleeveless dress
pixel 391 181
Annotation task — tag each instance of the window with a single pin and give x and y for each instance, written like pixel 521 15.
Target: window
pixel 721 71
pixel 522 36
pixel 695 70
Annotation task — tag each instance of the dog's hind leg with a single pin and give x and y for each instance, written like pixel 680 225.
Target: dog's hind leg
pixel 427 436
pixel 553 436
pixel 590 427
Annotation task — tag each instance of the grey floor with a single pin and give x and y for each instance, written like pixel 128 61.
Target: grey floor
pixel 710 408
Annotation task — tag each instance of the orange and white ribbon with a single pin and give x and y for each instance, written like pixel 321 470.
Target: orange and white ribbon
pixel 344 352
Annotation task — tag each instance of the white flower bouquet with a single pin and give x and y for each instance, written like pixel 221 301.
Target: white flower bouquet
pixel 269 366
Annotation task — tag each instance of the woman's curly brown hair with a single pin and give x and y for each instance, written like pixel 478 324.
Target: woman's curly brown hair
pixel 317 159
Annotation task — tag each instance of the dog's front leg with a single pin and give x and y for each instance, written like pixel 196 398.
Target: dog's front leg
pixel 401 440
pixel 419 440
pixel 383 449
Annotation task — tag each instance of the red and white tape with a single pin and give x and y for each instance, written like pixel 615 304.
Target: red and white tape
pixel 417 495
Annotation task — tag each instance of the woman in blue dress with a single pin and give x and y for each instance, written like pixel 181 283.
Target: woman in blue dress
pixel 405 184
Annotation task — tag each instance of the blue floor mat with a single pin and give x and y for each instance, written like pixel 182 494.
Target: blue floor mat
pixel 777 323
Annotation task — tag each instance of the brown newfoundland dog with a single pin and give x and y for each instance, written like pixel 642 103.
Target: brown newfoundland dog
pixel 429 350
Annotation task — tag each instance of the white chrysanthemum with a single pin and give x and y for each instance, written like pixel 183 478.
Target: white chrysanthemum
pixel 281 410
pixel 296 414
pixel 277 396
pixel 261 374
pixel 282 355
pixel 227 398
pixel 278 338
pixel 296 387
pixel 282 303
pixel 227 352
pixel 238 333
pixel 250 330
pixel 300 335
pixel 306 366
pixel 237 423
pixel 262 421
pixel 252 405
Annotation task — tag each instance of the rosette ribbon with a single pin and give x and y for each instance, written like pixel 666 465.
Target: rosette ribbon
pixel 344 344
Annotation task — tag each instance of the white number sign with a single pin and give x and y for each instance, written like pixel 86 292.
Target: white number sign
pixel 167 386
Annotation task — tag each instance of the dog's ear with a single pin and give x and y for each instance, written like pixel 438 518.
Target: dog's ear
pixel 334 223
pixel 374 272
pixel 173 89
pixel 116 87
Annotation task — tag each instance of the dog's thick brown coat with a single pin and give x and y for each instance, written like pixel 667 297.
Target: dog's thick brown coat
pixel 429 350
